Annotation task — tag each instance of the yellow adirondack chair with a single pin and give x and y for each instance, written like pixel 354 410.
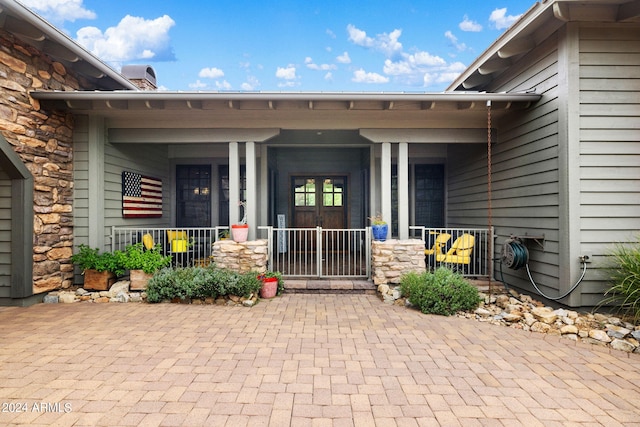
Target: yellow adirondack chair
pixel 460 251
pixel 439 242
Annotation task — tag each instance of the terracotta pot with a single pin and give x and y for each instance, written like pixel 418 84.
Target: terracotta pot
pixel 269 287
pixel 239 232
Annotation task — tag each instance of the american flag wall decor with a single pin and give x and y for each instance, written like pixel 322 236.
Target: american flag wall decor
pixel 141 196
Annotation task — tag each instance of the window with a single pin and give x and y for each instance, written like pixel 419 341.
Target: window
pixel 223 205
pixel 429 195
pixel 193 196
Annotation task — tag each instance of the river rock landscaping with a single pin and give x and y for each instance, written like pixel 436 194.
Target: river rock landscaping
pixel 520 311
pixel 121 293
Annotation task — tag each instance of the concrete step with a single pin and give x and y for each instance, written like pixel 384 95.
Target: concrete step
pixel 330 286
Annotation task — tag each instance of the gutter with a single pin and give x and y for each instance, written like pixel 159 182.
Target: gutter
pixel 285 96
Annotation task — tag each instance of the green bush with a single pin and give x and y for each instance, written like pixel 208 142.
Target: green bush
pixel 91 259
pixel 625 279
pixel 136 257
pixel 442 292
pixel 200 282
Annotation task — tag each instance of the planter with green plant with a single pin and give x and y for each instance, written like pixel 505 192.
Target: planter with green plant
pixel 99 269
pixel 142 263
pixel 379 228
pixel 272 284
pixel 240 231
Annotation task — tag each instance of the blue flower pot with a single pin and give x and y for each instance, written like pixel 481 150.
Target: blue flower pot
pixel 380 232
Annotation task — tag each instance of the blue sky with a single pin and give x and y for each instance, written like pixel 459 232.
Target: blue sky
pixel 288 45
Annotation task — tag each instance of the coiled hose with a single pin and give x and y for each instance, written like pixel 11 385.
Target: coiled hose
pixel 515 256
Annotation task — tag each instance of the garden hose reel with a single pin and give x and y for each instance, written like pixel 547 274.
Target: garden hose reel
pixel 515 254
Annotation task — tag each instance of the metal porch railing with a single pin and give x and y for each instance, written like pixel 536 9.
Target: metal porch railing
pixel 187 246
pixel 476 264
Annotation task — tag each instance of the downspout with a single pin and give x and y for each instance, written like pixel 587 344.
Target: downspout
pixel 489 197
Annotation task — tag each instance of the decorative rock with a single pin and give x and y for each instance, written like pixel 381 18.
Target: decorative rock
pixel 540 327
pixel 512 317
pixel 116 288
pixel 50 299
pixel 617 331
pixel 599 335
pixel 636 334
pixel 81 292
pixel 569 329
pixel 544 314
pixel 67 297
pixel 622 345
pixel 483 312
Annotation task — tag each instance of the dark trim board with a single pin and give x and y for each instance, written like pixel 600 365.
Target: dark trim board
pixel 21 225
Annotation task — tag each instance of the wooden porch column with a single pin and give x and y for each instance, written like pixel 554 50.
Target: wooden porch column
pixel 234 182
pixel 252 193
pixel 385 184
pixel 403 190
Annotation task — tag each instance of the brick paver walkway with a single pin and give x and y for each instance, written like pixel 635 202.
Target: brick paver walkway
pixel 300 360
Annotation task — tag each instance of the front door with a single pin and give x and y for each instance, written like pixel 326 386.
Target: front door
pixel 319 201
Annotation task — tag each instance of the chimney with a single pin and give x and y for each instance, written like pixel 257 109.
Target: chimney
pixel 143 76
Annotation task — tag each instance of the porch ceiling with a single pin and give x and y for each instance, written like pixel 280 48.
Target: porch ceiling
pixel 151 109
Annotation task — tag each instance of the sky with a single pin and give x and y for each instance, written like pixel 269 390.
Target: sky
pixel 288 45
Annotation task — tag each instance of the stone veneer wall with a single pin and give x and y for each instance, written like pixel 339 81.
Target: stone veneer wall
pixel 43 140
pixel 393 258
pixel 241 257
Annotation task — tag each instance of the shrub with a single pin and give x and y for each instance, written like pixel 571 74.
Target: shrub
pixel 168 284
pixel 442 292
pixel 200 282
pixel 625 279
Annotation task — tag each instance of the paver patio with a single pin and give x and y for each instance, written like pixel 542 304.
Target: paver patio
pixel 300 360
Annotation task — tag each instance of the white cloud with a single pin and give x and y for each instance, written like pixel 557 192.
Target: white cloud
pixel 59 11
pixel 288 73
pixel 322 67
pixel 359 37
pixel 197 85
pixel 252 83
pixel 329 76
pixel 223 85
pixel 386 43
pixel 361 76
pixel 211 73
pixel 454 41
pixel 500 20
pixel 133 38
pixel 331 34
pixel 469 25
pixel 344 58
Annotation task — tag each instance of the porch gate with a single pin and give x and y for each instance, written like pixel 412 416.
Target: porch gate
pixel 320 252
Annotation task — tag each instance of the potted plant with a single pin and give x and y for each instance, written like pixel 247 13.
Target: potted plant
pixel 99 269
pixel 240 231
pixel 379 228
pixel 272 284
pixel 142 263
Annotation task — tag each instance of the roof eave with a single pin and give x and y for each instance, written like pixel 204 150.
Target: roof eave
pixel 55 36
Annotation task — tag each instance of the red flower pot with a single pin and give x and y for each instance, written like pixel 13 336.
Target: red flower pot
pixel 269 287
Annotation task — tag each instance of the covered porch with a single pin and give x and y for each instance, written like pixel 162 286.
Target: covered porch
pixel 296 160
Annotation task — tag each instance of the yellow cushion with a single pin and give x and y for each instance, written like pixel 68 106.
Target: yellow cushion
pixel 147 241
